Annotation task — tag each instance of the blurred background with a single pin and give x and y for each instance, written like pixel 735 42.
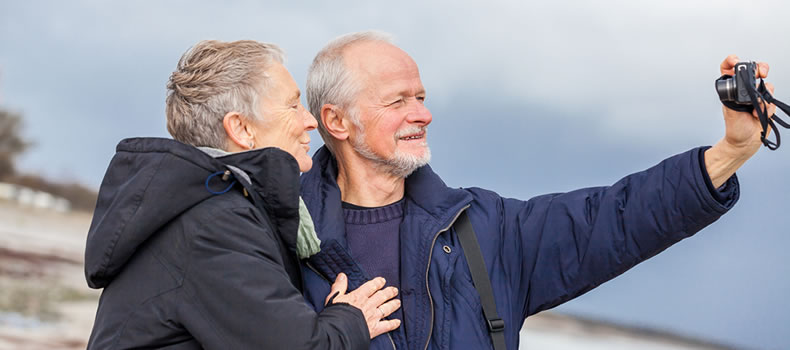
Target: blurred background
pixel 527 97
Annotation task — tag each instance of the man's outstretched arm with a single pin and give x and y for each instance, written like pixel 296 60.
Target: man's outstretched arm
pixel 574 241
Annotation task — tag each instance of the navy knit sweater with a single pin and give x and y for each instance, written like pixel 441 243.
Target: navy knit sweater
pixel 373 240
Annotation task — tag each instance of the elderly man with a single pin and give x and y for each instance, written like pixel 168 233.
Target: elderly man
pixel 380 210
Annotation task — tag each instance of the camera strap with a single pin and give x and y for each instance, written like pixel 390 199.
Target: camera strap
pixel 761 97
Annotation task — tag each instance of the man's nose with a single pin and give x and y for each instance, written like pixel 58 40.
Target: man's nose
pixel 419 114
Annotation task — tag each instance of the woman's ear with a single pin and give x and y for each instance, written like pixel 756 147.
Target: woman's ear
pixel 335 121
pixel 239 131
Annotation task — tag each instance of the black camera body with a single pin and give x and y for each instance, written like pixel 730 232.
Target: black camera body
pixel 733 89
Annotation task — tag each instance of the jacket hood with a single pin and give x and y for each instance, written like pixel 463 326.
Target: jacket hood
pixel 151 181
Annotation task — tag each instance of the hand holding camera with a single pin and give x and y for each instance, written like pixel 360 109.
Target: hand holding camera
pixel 749 107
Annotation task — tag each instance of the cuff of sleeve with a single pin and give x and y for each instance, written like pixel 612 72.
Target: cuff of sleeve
pixel 360 319
pixel 728 193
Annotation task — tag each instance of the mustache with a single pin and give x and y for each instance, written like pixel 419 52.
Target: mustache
pixel 411 130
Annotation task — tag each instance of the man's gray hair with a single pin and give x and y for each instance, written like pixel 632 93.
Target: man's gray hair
pixel 212 79
pixel 329 81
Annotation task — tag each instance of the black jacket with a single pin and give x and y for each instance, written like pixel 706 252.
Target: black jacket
pixel 185 267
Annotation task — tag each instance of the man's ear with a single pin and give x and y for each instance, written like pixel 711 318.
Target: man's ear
pixel 335 121
pixel 241 136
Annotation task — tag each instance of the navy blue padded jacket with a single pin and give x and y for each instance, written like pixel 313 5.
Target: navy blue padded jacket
pixel 539 253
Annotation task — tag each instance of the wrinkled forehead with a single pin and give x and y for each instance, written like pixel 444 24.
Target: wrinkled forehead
pixel 380 65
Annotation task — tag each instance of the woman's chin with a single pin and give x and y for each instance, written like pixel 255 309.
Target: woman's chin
pixel 305 164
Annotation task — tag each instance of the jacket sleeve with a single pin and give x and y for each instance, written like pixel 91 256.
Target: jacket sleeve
pixel 569 243
pixel 238 294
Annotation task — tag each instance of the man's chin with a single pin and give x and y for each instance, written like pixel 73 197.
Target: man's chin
pixel 418 152
pixel 414 159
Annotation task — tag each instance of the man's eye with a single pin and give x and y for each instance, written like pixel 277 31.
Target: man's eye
pixel 396 102
pixel 421 98
pixel 296 106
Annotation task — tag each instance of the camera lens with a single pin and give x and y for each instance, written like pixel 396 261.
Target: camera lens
pixel 726 89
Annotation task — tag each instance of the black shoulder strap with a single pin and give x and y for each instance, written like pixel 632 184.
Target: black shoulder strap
pixel 474 258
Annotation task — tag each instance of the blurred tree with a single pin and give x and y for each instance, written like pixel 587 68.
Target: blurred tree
pixel 12 143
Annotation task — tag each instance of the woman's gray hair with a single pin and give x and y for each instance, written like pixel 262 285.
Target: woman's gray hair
pixel 329 81
pixel 212 79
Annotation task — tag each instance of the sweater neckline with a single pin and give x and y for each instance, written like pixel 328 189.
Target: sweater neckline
pixel 358 215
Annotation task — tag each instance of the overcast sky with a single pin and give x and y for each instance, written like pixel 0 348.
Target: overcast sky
pixel 527 98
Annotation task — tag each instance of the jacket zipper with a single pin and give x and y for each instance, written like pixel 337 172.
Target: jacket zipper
pixel 310 266
pixel 427 269
pixel 391 341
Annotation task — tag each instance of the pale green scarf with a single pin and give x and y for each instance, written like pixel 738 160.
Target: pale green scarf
pixel 307 242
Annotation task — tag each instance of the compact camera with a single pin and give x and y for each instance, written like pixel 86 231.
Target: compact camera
pixel 734 89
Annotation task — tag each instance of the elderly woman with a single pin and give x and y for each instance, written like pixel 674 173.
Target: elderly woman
pixel 196 240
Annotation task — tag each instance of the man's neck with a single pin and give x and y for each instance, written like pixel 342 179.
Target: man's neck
pixel 363 185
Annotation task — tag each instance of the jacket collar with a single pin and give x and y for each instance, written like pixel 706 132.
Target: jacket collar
pixel 274 175
pixel 426 190
pixel 321 194
pixel 273 172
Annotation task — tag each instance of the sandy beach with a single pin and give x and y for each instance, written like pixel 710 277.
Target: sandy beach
pixel 44 300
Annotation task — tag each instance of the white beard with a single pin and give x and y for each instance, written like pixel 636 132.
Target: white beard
pixel 400 164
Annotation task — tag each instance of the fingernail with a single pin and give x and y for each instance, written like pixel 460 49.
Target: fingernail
pixel 341 276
